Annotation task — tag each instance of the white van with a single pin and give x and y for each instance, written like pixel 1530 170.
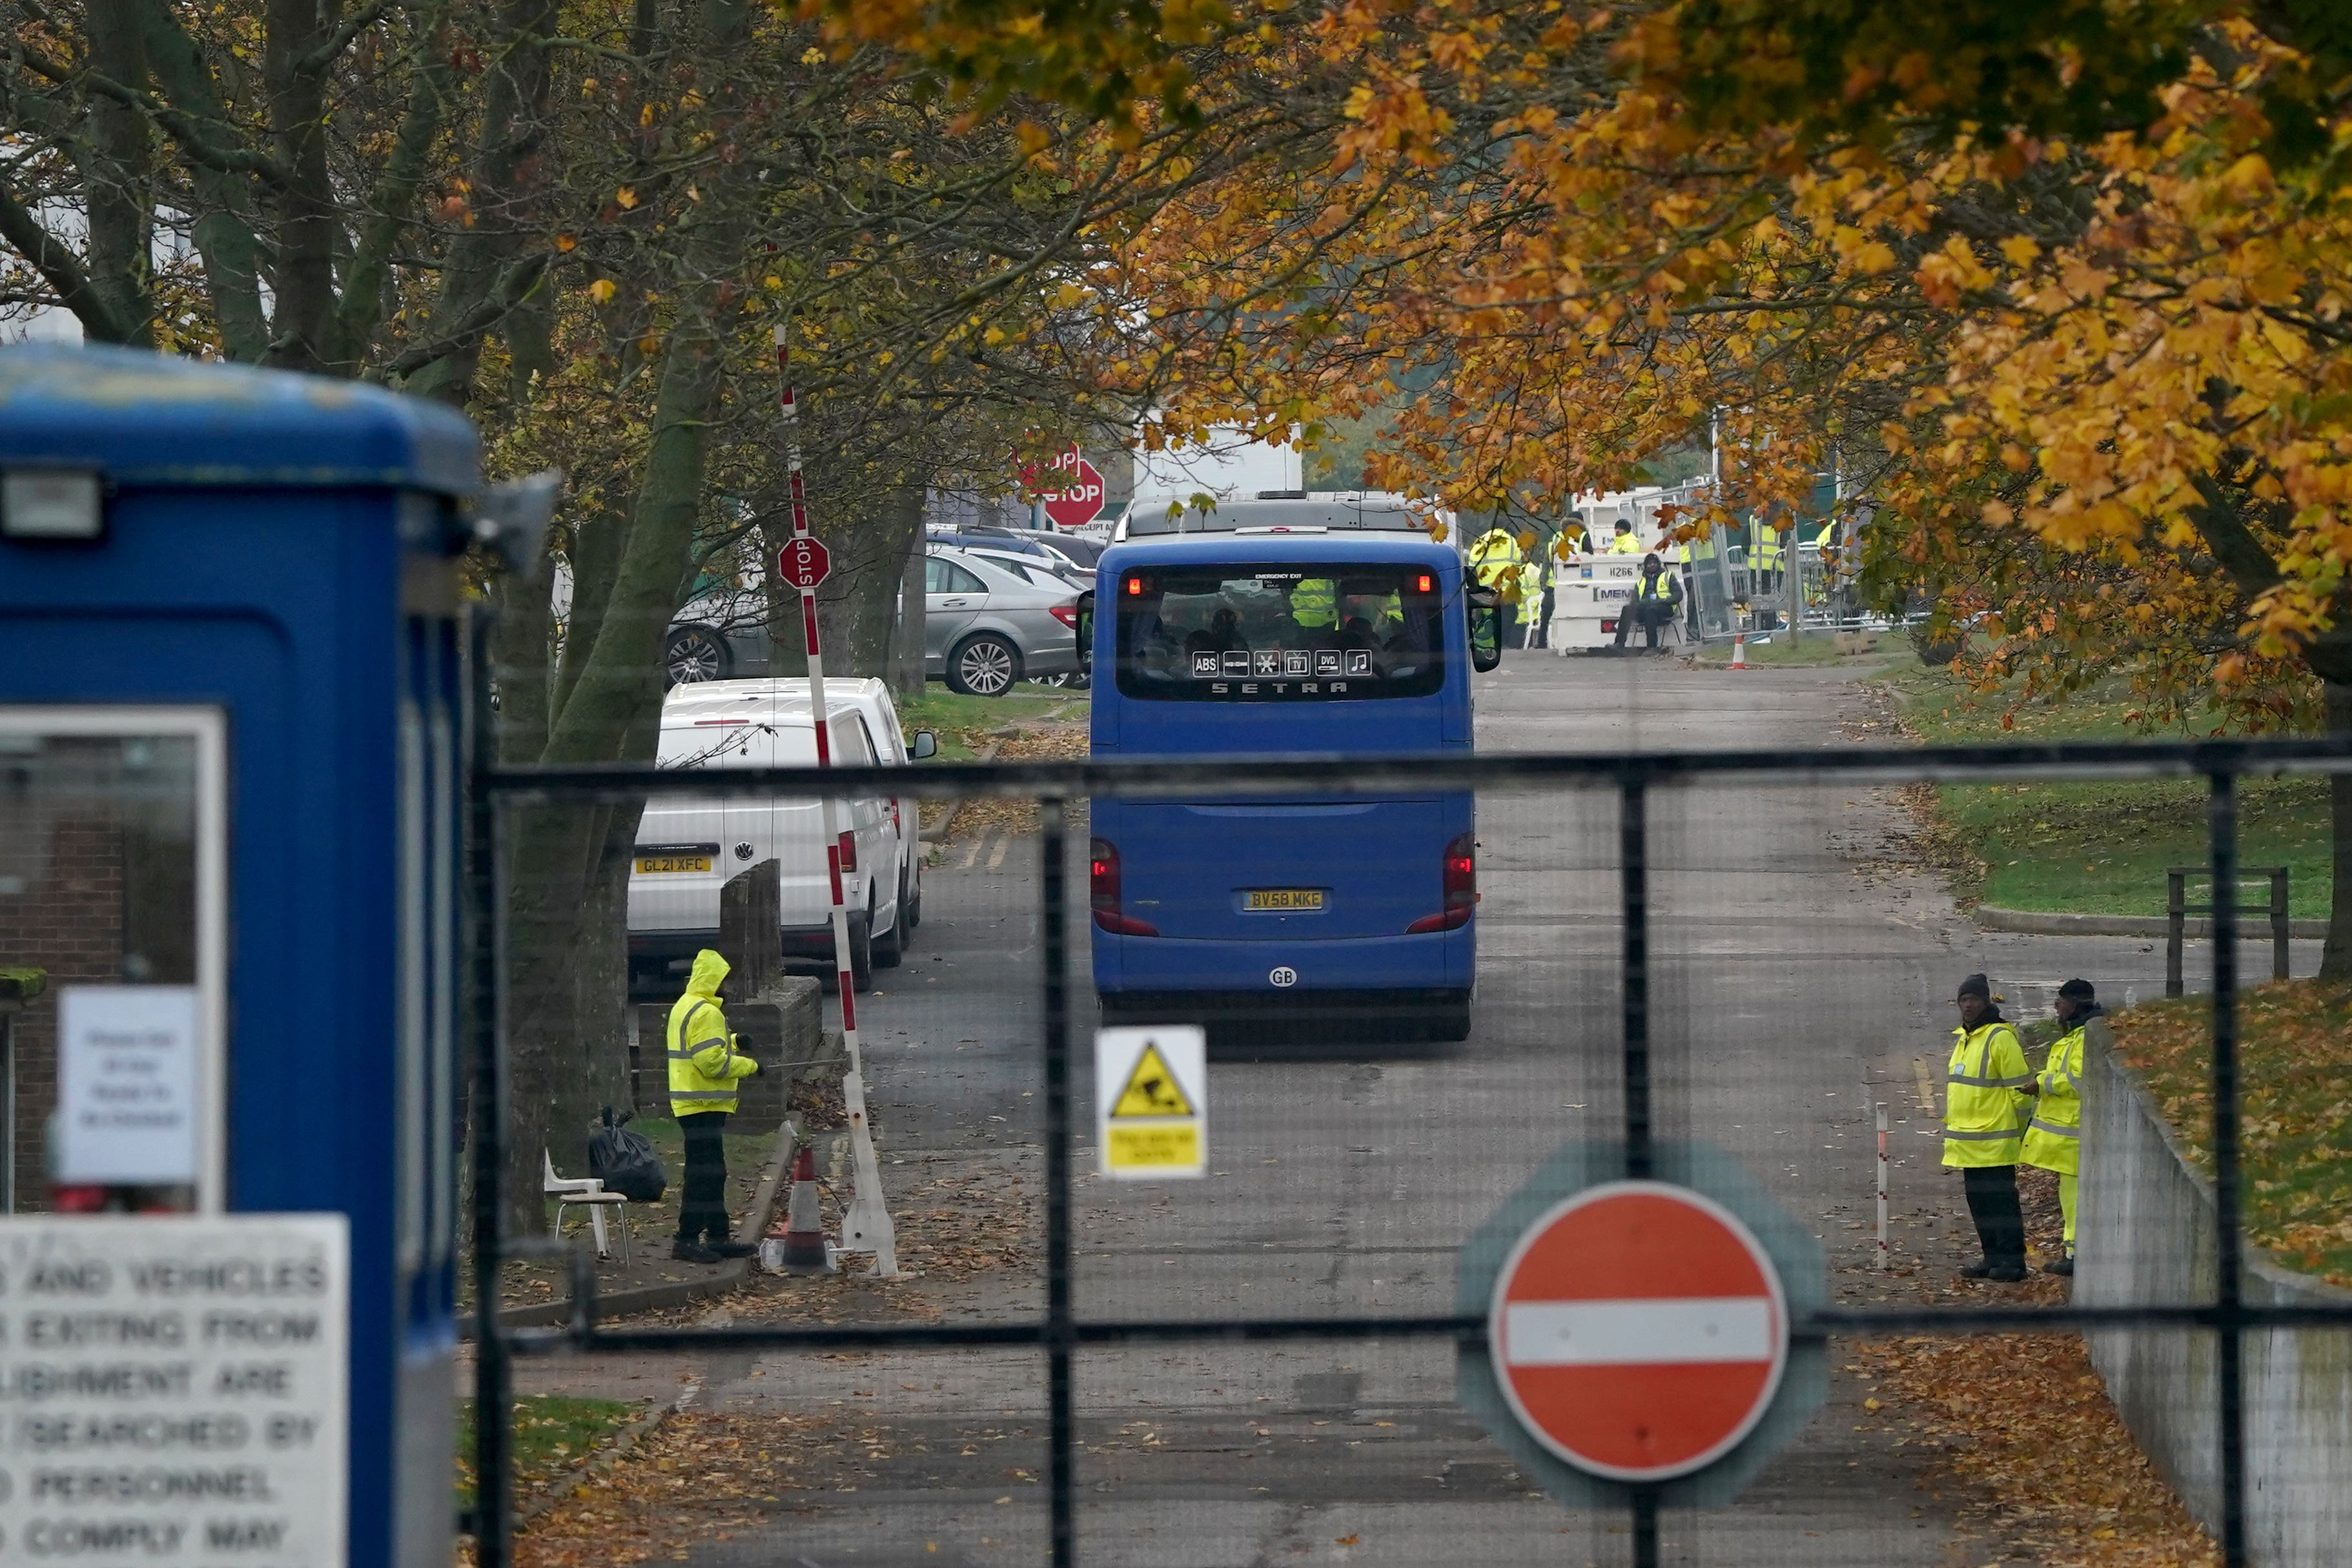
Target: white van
pixel 687 848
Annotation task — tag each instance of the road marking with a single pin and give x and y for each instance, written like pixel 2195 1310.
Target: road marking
pixel 1926 1089
pixel 1679 1330
pixel 979 843
pixel 996 857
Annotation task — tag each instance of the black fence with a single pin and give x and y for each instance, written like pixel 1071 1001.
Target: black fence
pixel 1061 1332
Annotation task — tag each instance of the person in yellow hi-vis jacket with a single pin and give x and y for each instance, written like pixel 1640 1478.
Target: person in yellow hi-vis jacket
pixel 2054 1139
pixel 1985 1097
pixel 706 1065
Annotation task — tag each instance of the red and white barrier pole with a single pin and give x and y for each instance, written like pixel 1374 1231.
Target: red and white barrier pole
pixel 867 1227
pixel 1884 1260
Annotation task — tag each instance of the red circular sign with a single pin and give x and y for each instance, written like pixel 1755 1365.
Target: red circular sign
pixel 804 562
pixel 1639 1331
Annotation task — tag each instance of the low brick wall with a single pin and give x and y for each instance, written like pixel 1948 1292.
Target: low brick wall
pixel 785 1024
pixel 2144 1233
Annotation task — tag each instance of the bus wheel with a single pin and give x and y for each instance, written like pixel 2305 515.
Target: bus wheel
pixel 984 666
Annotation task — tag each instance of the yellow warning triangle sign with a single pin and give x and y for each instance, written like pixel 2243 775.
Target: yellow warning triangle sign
pixel 1152 1090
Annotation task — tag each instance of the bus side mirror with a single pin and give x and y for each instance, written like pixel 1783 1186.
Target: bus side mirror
pixel 925 747
pixel 1085 626
pixel 1486 611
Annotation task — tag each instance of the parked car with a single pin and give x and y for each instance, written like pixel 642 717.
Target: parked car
pixel 986 625
pixel 688 848
pixel 720 634
pixel 894 746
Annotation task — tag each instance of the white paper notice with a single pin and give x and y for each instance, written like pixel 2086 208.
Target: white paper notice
pixel 174 1391
pixel 127 1084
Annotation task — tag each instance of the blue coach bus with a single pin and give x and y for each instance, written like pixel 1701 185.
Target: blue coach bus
pixel 1286 625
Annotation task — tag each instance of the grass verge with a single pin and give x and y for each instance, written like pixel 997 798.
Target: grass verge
pixel 962 722
pixel 2098 847
pixel 2295 1110
pixel 1814 650
pixel 552 1434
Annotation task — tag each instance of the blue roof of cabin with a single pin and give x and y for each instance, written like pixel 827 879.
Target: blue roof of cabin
pixel 154 419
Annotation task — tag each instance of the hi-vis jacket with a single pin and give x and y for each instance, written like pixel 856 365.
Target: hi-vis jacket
pixel 2054 1139
pixel 1984 1101
pixel 704 1066
pixel 1495 555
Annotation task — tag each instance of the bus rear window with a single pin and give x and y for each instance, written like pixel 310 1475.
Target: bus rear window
pixel 1322 632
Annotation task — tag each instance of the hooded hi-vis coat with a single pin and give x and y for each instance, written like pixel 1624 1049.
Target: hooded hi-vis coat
pixel 1984 1099
pixel 2053 1140
pixel 704 1066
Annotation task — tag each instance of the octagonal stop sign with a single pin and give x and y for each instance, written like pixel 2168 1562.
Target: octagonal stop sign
pixel 804 562
pixel 1638 1331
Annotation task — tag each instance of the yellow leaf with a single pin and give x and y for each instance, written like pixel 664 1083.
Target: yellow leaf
pixel 626 196
pixel 2020 249
pixel 601 290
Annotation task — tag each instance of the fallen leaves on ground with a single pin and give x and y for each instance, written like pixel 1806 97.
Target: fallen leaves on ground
pixel 2023 1422
pixel 1060 743
pixel 2295 1108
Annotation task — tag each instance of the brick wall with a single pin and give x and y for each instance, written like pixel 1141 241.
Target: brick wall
pixel 67 921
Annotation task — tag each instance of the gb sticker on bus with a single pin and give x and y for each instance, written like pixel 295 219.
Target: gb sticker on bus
pixel 1151 1108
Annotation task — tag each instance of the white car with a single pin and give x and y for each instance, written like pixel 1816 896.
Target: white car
pixel 687 848
pixel 893 745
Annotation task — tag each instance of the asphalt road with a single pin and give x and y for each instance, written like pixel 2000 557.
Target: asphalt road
pixel 1801 976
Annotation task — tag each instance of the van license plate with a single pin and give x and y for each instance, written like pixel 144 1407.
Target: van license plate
pixel 1283 898
pixel 652 864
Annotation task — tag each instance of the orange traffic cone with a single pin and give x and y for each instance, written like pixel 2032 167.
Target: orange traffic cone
pixel 1739 649
pixel 805 1249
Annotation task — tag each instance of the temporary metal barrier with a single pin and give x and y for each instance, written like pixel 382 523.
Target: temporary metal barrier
pixel 1060 1333
pixel 2176 909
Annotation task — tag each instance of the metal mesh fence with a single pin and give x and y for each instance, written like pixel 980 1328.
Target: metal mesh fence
pixel 1674 947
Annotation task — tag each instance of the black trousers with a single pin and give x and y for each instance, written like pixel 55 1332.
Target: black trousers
pixel 702 1199
pixel 1992 1204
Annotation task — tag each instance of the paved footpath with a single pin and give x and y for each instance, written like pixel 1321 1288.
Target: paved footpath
pixel 1802 975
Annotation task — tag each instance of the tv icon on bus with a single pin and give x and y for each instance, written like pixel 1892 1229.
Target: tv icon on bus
pixel 1294 664
pixel 1359 661
pixel 1327 662
pixel 1204 666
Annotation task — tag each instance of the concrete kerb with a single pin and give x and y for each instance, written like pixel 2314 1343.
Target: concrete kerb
pixel 2043 922
pixel 728 1275
pixel 559 1487
pixel 946 830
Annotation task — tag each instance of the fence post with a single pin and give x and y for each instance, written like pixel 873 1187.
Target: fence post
pixel 1885 1262
pixel 2174 899
pixel 2280 927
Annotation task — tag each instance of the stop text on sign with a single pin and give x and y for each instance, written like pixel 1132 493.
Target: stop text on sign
pixel 1070 488
pixel 1638 1331
pixel 804 562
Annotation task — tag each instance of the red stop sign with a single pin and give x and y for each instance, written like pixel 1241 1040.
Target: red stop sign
pixel 804 562
pixel 1080 499
pixel 1639 1331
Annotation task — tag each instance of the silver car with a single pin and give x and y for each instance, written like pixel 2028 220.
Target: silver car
pixel 989 623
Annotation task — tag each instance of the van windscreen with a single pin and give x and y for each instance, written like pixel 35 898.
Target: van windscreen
pixel 1319 632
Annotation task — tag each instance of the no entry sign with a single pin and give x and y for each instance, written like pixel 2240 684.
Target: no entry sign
pixel 1638 1331
pixel 804 562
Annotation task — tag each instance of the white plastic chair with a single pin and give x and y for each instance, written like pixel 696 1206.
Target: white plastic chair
pixel 588 1193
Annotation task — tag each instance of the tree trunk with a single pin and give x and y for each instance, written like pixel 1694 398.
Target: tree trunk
pixel 308 229
pixel 121 222
pixel 2335 958
pixel 907 661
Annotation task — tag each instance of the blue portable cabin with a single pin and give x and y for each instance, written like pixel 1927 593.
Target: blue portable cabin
pixel 277 555
pixel 1355 910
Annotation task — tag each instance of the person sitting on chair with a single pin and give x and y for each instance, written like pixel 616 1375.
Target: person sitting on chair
pixel 1656 599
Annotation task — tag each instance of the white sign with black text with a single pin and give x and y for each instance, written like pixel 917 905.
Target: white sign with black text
pixel 174 1390
pixel 127 1077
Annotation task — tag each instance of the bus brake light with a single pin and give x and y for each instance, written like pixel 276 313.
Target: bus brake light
pixel 1102 876
pixel 1459 879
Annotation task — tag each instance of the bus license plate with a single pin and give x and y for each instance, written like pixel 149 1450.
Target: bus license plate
pixel 653 865
pixel 1283 898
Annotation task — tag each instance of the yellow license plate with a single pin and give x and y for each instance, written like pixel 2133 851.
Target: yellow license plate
pixel 1283 898
pixel 653 863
